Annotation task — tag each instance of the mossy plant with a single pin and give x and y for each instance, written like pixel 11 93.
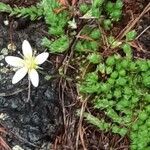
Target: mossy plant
pixel 123 94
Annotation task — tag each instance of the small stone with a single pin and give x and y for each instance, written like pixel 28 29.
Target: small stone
pixel 11 46
pixel 33 137
pixel 1 57
pixel 1 64
pixel 3 116
pixel 6 22
pixel 4 51
pixel 14 105
pixel 48 77
pixel 4 70
pixel 17 147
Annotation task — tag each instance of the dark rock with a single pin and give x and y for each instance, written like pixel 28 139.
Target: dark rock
pixel 40 119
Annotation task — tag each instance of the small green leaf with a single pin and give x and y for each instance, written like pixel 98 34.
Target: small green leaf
pixel 101 67
pixel 121 81
pixel 109 6
pixel 109 70
pixel 122 72
pixel 110 61
pixel 132 66
pixel 113 42
pixel 123 131
pixel 111 81
pixel 117 93
pixel 146 81
pixel 95 34
pixel 105 87
pixel 124 63
pixel 143 116
pixel 94 58
pixel 5 8
pixel 83 8
pixel 116 14
pixel 127 50
pixel 57 46
pixel 118 4
pixel 131 35
pixel 127 90
pixel 114 75
pixel 107 24
pixel 147 97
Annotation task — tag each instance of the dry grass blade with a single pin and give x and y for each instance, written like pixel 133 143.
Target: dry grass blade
pixel 3 144
pixel 132 23
pixel 122 34
pixel 63 2
pixel 143 32
pixel 80 130
pixel 73 2
pixel 2 130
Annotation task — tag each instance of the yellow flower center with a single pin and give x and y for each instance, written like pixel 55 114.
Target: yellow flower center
pixel 30 63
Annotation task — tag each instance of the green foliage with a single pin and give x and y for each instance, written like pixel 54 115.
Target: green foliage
pixel 114 10
pixel 140 130
pixel 113 42
pixel 86 46
pixel 96 5
pixel 58 46
pixel 94 58
pixel 5 8
pixel 101 124
pixel 107 24
pixel 33 12
pixel 120 88
pixel 95 34
pixel 91 41
pixel 131 35
pixel 127 50
pixel 83 8
pixel 91 84
pixel 56 21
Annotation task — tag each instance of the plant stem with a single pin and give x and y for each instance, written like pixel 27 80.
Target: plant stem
pixel 29 90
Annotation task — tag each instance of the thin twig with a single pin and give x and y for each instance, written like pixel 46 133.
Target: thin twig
pixel 3 144
pixel 142 32
pixel 128 27
pixel 84 103
pixel 19 137
pixel 11 94
pixel 122 147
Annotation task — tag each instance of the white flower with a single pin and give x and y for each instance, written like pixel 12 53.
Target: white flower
pixel 28 64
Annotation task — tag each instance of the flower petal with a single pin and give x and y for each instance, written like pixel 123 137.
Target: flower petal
pixel 34 77
pixel 26 49
pixel 14 61
pixel 19 75
pixel 41 58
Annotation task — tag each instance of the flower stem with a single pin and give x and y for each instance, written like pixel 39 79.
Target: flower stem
pixel 29 90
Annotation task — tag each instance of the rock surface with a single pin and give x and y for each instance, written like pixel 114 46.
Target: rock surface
pixel 31 125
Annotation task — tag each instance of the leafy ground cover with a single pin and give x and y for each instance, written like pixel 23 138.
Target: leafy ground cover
pixel 99 51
